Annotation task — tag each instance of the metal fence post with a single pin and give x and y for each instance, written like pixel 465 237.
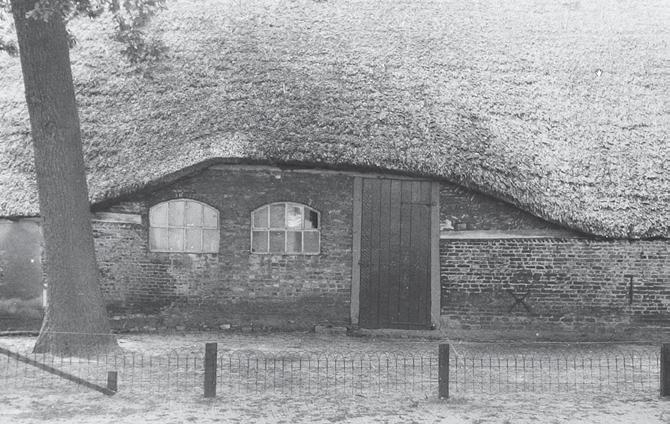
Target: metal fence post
pixel 112 380
pixel 210 370
pixel 443 371
pixel 665 370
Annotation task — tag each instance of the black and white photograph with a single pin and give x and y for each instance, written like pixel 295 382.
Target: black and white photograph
pixel 334 211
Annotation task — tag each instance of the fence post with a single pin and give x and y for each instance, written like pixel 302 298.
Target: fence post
pixel 112 380
pixel 443 371
pixel 665 370
pixel 210 370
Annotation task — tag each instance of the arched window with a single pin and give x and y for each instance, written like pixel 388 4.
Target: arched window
pixel 183 225
pixel 289 228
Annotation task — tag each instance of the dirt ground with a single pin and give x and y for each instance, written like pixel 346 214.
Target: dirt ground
pixel 309 342
pixel 75 405
pixel 194 343
pixel 23 407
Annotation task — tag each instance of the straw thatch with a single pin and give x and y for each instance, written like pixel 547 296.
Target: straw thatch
pixel 560 107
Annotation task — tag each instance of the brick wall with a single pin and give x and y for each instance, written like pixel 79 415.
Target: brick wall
pixel 572 283
pixel 464 209
pixel 234 286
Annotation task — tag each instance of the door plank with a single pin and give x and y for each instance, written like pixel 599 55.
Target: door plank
pixel 355 309
pixel 375 224
pixel 365 318
pixel 415 292
pixel 384 249
pixel 395 252
pixel 405 253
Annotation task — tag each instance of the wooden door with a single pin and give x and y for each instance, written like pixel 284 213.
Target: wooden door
pixel 395 254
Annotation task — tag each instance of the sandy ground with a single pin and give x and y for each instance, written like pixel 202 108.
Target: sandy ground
pixel 185 343
pixel 194 343
pixel 76 405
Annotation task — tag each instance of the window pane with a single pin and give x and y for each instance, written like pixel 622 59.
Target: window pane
pixel 277 216
pixel 294 241
pixel 194 240
pixel 176 240
pixel 261 218
pixel 311 240
pixel 158 238
pixel 211 217
pixel 193 214
pixel 294 217
pixel 259 241
pixel 176 213
pixel 311 219
pixel 210 241
pixel 277 241
pixel 158 215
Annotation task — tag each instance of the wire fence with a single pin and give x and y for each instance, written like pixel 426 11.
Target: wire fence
pixel 323 372
pixel 634 371
pixel 177 373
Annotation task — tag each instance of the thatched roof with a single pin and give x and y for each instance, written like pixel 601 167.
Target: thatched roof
pixel 560 107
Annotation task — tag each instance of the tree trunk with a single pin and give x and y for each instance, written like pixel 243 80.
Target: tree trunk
pixel 76 321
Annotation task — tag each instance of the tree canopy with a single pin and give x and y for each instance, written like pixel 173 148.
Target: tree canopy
pixel 129 16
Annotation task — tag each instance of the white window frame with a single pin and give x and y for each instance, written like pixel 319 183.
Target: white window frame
pixel 184 226
pixel 285 229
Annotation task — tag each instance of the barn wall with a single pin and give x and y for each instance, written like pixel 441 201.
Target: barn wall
pixel 572 282
pixel 233 287
pixel 462 209
pixel 497 252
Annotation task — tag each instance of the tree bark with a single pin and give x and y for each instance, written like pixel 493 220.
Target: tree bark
pixel 76 321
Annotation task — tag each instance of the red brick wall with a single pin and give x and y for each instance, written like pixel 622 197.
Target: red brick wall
pixel 234 286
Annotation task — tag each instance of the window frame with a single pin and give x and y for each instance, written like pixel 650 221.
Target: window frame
pixel 185 227
pixel 285 229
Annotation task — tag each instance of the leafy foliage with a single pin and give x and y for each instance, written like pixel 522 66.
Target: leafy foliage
pixel 7 40
pixel 140 49
pixel 130 17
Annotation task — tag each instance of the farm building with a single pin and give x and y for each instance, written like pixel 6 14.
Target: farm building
pixel 366 164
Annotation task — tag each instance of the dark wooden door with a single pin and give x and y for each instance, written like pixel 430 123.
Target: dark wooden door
pixel 395 254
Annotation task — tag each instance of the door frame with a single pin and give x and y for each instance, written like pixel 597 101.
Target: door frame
pixel 434 249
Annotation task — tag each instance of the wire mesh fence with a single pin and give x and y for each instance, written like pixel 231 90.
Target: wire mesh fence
pixel 470 371
pixel 324 372
pixel 169 373
pixel 635 371
pixel 250 371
